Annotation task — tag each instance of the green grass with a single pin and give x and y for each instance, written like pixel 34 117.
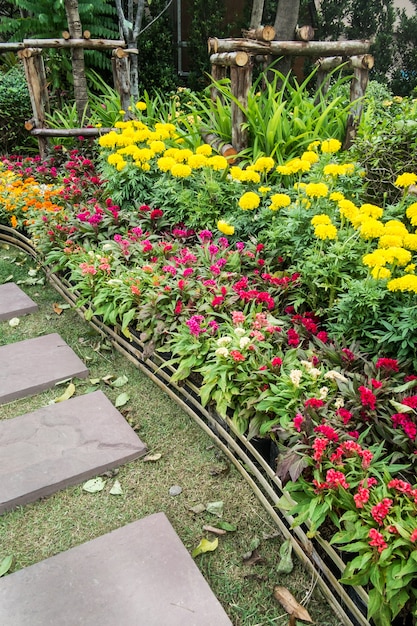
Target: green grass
pixel 189 459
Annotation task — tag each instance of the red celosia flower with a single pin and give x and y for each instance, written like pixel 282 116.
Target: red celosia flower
pixel 315 403
pixel 348 355
pixel 400 485
pixel 410 401
pixel 236 355
pixel 344 414
pixel 178 307
pixel 413 536
pixel 380 510
pixel 327 431
pixel 276 362
pixel 322 336
pixel 156 213
pixel 367 397
pixel 376 384
pixel 361 497
pixel 390 365
pixel 293 337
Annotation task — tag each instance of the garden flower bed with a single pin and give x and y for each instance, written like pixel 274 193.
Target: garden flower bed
pixel 269 291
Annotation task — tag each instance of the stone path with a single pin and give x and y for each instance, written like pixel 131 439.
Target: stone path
pixel 140 574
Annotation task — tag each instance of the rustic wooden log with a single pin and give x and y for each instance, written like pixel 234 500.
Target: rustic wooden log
pixel 90 44
pixel 262 33
pixel 304 33
pixel 11 47
pixel 228 59
pixel 326 64
pixel 86 34
pixel 65 35
pixel 220 146
pixel 291 48
pixel 241 80
pixel 38 89
pixel 364 61
pixel 121 76
pixel 357 91
pixel 30 124
pixel 69 132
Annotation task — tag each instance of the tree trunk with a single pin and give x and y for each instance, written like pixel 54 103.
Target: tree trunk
pixel 130 29
pixel 257 12
pixel 77 57
pixel 286 19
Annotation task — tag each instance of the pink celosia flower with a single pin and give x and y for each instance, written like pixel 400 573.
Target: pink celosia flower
pixel 400 485
pixel 413 536
pixel 319 447
pixel 238 317
pixel 276 362
pixel 336 479
pixel 390 365
pixel 327 431
pixel 297 421
pixel 237 356
pixel 367 397
pixel 344 414
pixel 380 510
pixel 361 497
pixel 377 540
pixel 315 403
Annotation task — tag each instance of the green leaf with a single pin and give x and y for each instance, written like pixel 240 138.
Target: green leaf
pixel 285 565
pixel 122 399
pixel 6 564
pixel 119 382
pixel 205 546
pixel 94 485
pixel 68 393
pixel 375 601
pixel 116 490
pixel 226 526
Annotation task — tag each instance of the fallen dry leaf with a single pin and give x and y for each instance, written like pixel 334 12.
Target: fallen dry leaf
pixel 152 457
pixel 253 558
pixel 57 309
pixel 290 604
pixel 214 530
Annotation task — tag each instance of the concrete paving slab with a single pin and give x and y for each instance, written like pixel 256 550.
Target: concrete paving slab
pixel 33 365
pixel 60 445
pixel 14 302
pixel 138 575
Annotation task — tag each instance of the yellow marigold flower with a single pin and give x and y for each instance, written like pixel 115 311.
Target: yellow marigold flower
pixel 299 186
pixel 225 228
pixel 217 162
pixel 371 210
pixel 325 231
pixel 195 161
pixel 330 146
pixel 316 190
pixel 410 241
pixel 249 176
pixel 109 140
pixel 380 273
pixel 114 159
pixel 320 219
pixel 313 145
pixel 141 106
pixel 348 209
pixel 120 165
pixel 397 99
pixel 404 283
pixel 310 156
pixel 157 146
pixel 284 170
pixel 205 150
pixel 388 241
pixel 333 169
pixel 13 221
pixel 264 190
pixel 263 164
pixel 336 196
pixel 406 179
pixel 374 259
pixel 395 227
pixel 410 269
pixel 165 130
pixel 236 172
pixel 279 201
pixel 165 163
pixel 249 201
pixel 181 170
pixel 371 228
pixel 145 166
pixel 411 213
pixel 397 255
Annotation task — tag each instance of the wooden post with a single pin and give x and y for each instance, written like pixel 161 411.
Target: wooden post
pixel 262 33
pixel 361 66
pixel 121 76
pixel 38 90
pixel 241 80
pixel 325 65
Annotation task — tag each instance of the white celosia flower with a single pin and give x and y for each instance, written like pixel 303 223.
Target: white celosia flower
pixel 339 402
pixel 244 341
pixel 239 332
pixel 314 372
pixel 334 375
pixel 222 352
pixel 323 393
pixel 295 377
pixel 224 341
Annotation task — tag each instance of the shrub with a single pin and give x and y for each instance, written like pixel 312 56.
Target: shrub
pixel 15 109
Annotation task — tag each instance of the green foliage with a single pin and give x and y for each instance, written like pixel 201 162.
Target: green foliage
pixel 386 144
pixel 280 121
pixel 15 109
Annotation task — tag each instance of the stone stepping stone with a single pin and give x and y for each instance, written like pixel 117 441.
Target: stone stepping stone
pixel 62 444
pixel 140 574
pixel 14 302
pixel 33 365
